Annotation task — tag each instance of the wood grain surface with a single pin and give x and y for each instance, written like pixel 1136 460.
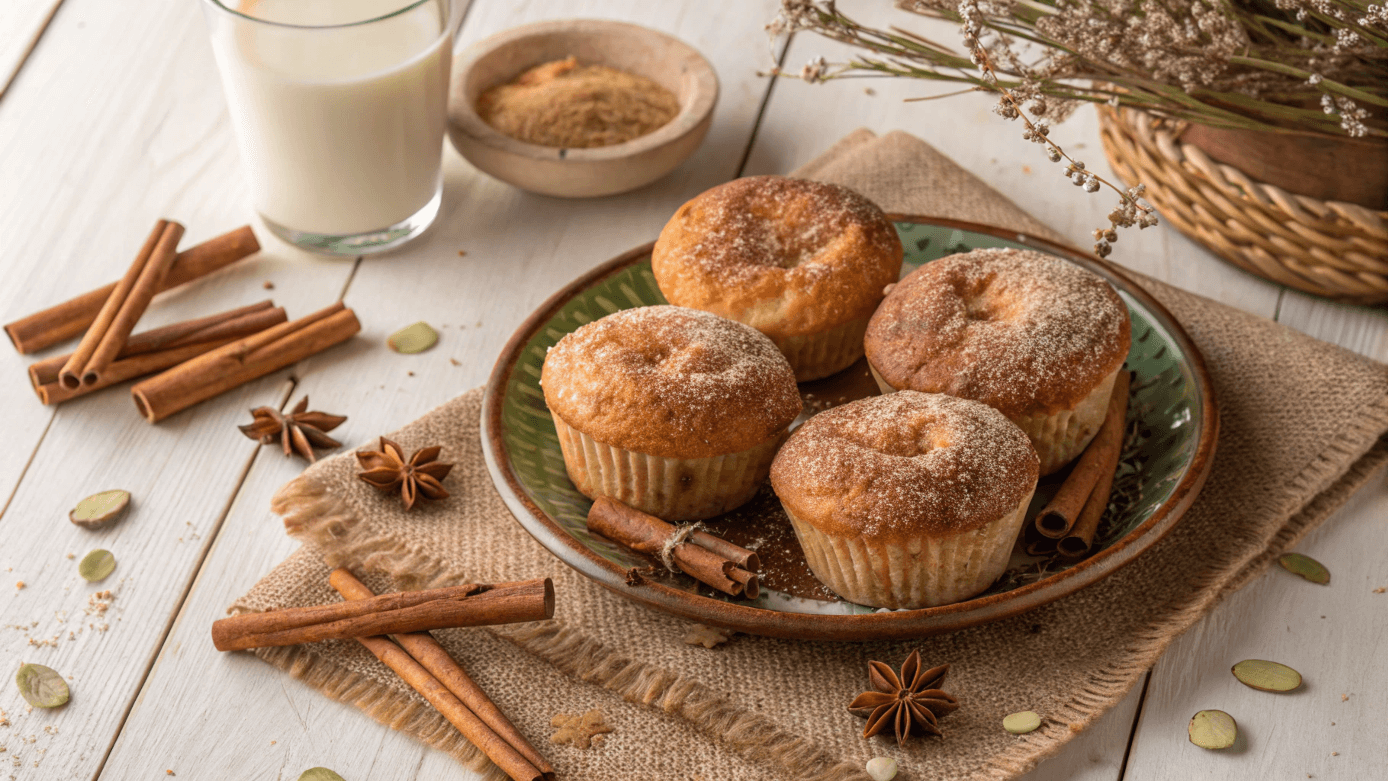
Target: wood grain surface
pixel 23 23
pixel 103 132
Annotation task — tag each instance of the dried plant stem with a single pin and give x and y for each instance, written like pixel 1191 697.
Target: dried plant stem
pixel 1127 198
pixel 1269 65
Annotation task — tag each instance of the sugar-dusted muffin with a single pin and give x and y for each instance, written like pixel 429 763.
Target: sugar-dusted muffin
pixel 1034 336
pixel 907 500
pixel 803 262
pixel 673 411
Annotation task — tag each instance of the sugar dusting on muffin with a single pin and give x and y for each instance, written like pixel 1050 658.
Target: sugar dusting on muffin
pixel 791 257
pixel 905 464
pixel 775 222
pixel 1022 331
pixel 670 381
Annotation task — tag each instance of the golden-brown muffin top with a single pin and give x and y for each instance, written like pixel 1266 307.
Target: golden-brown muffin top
pixel 671 382
pixel 1027 333
pixel 905 465
pixel 789 257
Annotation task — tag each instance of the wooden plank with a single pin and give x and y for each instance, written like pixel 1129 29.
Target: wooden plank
pixel 100 139
pixel 1359 328
pixel 22 23
pixel 101 136
pixel 520 248
pixel 1096 754
pixel 1320 631
pixel 1333 635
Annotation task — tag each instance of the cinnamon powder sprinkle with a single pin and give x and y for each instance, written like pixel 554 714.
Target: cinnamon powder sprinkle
pixel 671 382
pixel 572 106
pixel 1021 331
pixel 906 463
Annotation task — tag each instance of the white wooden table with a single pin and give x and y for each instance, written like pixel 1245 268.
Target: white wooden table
pixel 116 118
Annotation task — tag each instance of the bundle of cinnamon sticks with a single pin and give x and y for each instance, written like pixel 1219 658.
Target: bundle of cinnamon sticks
pixel 708 559
pixel 195 359
pixel 412 652
pixel 1068 523
pixel 70 318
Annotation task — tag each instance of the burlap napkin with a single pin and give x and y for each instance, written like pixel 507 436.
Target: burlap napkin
pixel 1301 428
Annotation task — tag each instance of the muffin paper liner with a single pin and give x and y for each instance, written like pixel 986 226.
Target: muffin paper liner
pixel 914 572
pixel 1058 438
pixel 819 355
pixel 673 489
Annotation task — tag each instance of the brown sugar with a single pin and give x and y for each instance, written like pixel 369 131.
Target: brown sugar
pixel 564 104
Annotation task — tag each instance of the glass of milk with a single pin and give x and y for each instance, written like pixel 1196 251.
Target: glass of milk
pixel 339 107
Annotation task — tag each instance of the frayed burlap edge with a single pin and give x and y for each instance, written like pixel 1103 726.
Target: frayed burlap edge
pixel 1330 486
pixel 312 514
pixel 380 703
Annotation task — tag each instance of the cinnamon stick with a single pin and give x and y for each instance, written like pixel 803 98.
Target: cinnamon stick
pixel 134 306
pixel 736 554
pixel 241 361
pixel 1081 536
pixel 71 375
pixel 127 369
pixel 1040 546
pixel 747 580
pixel 488 729
pixel 70 318
pixel 648 534
pixel 160 348
pixel 1058 516
pixel 406 611
pixel 446 703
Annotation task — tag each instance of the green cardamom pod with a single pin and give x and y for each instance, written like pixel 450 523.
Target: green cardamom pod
pixel 95 566
pixel 41 687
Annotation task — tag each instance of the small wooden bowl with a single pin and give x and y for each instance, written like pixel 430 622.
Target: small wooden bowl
pixel 596 171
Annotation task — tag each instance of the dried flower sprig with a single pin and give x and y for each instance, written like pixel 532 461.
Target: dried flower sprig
pixel 1272 65
pixel 1313 66
pixel 824 18
pixel 1130 211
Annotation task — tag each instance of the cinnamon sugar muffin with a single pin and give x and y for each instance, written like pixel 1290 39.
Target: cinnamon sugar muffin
pixel 673 411
pixel 803 262
pixel 908 500
pixel 1029 334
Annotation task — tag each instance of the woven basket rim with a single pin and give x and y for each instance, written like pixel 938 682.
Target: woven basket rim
pixel 1328 248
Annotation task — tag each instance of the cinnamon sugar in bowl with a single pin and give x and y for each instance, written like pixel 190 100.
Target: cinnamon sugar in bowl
pixel 673 411
pixel 581 172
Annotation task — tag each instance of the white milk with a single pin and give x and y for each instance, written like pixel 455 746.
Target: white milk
pixel 341 128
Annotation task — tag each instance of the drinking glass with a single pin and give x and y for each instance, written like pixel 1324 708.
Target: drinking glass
pixel 339 107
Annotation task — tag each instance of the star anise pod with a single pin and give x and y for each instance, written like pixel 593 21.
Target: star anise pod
pixel 906 702
pixel 299 432
pixel 420 476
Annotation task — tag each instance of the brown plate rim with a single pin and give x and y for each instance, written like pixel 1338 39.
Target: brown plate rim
pixel 899 624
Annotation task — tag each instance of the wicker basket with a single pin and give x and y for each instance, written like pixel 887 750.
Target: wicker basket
pixel 1328 248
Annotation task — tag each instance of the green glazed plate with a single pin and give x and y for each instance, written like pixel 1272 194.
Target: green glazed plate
pixel 1172 414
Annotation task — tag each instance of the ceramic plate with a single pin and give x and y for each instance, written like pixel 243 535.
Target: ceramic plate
pixel 1173 422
